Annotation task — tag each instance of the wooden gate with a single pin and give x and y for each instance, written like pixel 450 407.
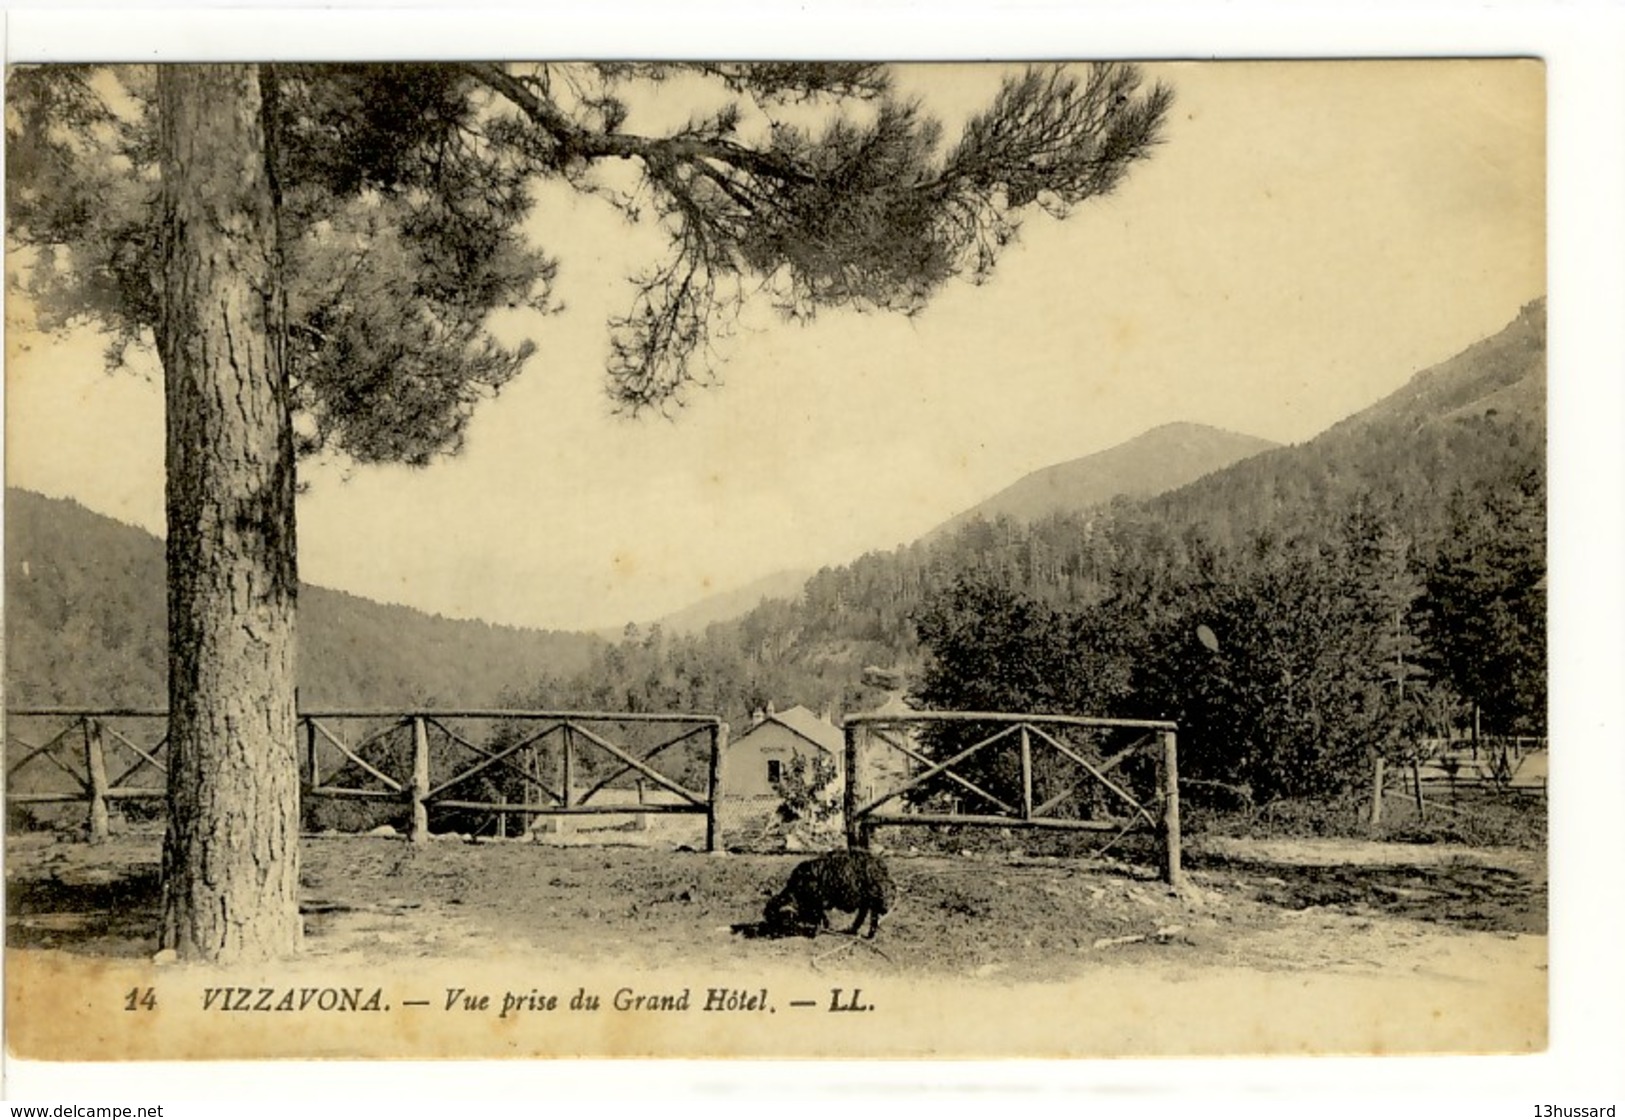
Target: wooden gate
pixel 503 763
pixel 498 763
pixel 1018 770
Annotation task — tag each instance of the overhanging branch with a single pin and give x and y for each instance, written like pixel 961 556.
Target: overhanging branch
pixel 582 143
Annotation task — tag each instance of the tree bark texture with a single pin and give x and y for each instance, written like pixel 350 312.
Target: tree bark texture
pixel 231 870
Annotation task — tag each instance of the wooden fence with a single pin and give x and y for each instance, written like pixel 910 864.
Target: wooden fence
pixel 892 777
pixel 1463 775
pixel 1499 764
pixel 75 752
pixel 497 762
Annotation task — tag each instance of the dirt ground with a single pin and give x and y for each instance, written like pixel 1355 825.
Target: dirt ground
pixel 1343 906
pixel 1277 947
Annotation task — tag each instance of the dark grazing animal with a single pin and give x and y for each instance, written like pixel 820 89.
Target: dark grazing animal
pixel 851 881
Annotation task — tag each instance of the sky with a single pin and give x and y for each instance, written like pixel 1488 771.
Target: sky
pixel 1308 237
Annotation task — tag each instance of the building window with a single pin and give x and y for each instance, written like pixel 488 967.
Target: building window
pixel 775 770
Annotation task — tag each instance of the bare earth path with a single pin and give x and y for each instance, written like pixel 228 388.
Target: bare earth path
pixel 1280 945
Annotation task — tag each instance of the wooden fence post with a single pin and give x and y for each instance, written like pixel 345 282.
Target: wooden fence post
pixel 96 767
pixel 714 838
pixel 1172 873
pixel 313 775
pixel 567 766
pixel 313 778
pixel 1376 791
pixel 420 780
pixel 500 796
pixel 1416 779
pixel 857 837
pixel 1026 775
pixel 532 795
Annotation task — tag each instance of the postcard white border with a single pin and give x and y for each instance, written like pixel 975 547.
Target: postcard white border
pixel 1584 47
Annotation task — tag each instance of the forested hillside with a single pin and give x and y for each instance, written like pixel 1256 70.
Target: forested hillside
pixel 1382 582
pixel 85 626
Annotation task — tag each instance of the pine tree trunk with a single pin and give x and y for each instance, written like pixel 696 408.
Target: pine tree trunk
pixel 231 871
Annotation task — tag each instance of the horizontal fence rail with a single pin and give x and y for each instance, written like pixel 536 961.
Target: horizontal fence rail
pixel 901 768
pixel 493 763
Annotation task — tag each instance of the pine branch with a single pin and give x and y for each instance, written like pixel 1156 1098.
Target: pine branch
pixel 576 142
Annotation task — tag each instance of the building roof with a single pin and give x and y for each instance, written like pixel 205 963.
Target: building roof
pixel 800 722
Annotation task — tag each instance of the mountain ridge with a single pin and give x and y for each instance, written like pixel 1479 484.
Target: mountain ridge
pixel 1157 460
pixel 721 606
pixel 1466 432
pixel 85 625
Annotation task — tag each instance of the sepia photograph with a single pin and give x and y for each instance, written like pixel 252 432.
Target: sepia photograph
pixel 776 559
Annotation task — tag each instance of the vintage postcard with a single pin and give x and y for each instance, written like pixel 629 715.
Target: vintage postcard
pixel 776 560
